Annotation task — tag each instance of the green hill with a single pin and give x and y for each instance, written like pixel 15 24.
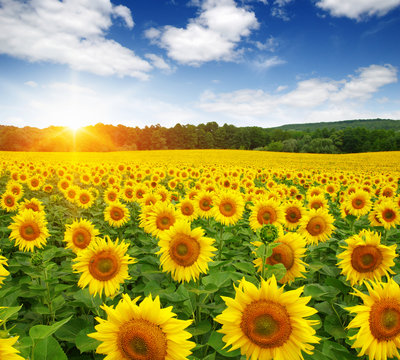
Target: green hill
pixel 371 124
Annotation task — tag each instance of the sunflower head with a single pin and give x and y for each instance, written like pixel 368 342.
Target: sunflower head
pixel 365 258
pixel 79 235
pixel 317 225
pixel 266 323
pixel 141 332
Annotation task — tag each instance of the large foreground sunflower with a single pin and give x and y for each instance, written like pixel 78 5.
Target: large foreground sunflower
pixel 185 253
pixel 142 332
pixel 29 230
pixel 365 258
pixel 7 352
pixel 316 226
pixel 289 251
pixel 103 266
pixel 268 323
pixel 379 321
pixel 79 234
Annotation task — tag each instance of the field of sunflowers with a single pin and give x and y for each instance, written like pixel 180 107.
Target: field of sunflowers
pixel 199 254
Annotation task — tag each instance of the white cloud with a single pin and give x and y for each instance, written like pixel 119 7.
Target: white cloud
pixel 269 62
pixel 31 83
pixel 213 35
pixel 312 99
pixel 278 9
pixel 355 9
pixel 71 32
pixel 159 63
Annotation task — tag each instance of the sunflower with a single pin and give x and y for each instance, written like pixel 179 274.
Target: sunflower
pixel 9 202
pixel 29 230
pixel 374 219
pixel 104 266
pixel 388 213
pixel 266 212
pixel 185 253
pixel 316 225
pixel 289 252
pixel 358 203
pixel 158 218
pixel 268 323
pixel 63 185
pixel 149 199
pixel 379 321
pixel 84 199
pixel 116 214
pixel 317 202
pixel 140 332
pixel 128 194
pixel 34 183
pixel 32 204
pixel 228 207
pixel 111 196
pixel 15 188
pixel 188 210
pixel 3 272
pixel 72 193
pixel 7 351
pixel 79 234
pixel 365 258
pixel 204 204
pixel 293 212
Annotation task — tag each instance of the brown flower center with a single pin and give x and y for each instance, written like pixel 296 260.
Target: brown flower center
pixel 227 208
pixel 384 319
pixel 316 225
pixel 388 215
pixel 266 215
pixel 140 339
pixel 116 213
pixel 205 204
pixel 29 231
pixel 283 254
pixel 184 250
pixel 84 199
pixel 358 203
pixel 104 265
pixel 293 215
pixel 9 201
pixel 266 323
pixel 366 258
pixel 81 238
pixel 164 222
pixel 187 209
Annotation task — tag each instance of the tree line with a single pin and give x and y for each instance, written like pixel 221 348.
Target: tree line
pixel 102 137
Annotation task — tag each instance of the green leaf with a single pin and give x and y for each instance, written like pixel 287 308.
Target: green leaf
pixel 201 328
pixel 216 342
pixel 39 332
pixel 8 312
pixel 85 343
pixel 319 292
pixel 245 267
pixel 70 331
pixel 278 270
pixel 49 349
pixel 218 278
pixel 333 327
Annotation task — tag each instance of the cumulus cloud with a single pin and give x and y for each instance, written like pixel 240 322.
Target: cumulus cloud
pixel 213 35
pixel 355 9
pixel 311 98
pixel 70 32
pixel 159 63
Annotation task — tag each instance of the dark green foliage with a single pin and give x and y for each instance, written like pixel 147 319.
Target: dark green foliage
pixel 351 136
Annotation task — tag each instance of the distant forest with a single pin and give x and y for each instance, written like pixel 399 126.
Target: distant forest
pixel 351 136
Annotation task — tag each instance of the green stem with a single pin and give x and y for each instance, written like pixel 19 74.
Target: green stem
pixel 340 320
pixel 49 302
pixel 263 259
pixel 221 244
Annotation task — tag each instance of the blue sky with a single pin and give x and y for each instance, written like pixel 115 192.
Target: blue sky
pixel 245 62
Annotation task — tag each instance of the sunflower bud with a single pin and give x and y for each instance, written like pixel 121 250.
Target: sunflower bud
pixel 269 233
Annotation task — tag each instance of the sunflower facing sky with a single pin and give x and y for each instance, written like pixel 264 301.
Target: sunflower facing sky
pixel 185 253
pixel 29 230
pixel 103 266
pixel 142 332
pixel 378 320
pixel 365 258
pixel 79 234
pixel 228 207
pixel 316 226
pixel 268 323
